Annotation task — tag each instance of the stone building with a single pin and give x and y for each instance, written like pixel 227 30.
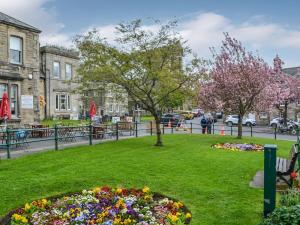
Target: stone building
pixel 42 82
pixel 109 100
pixel 19 68
pixel 59 70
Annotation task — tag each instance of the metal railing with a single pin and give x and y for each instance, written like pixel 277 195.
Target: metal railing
pixel 60 136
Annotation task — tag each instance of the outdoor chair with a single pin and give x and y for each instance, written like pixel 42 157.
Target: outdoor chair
pixel 284 167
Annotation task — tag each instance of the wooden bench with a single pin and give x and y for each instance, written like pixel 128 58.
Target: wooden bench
pixel 284 167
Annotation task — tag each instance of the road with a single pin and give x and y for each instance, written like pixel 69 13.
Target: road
pixel 194 125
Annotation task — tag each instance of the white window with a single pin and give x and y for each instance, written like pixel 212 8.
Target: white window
pixel 68 71
pixel 63 102
pixel 15 49
pixel 56 69
pixel 14 99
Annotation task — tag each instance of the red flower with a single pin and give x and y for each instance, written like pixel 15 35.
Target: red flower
pixel 293 175
pixel 105 189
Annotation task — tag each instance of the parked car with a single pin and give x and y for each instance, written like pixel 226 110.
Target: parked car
pixel 187 115
pixel 277 122
pixel 219 115
pixel 197 112
pixel 233 120
pixel 174 118
pixel 213 116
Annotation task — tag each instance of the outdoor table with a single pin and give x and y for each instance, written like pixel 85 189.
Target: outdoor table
pixel 98 131
pixel 40 131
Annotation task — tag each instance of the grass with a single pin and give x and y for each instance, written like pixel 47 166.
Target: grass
pixel 214 184
pixel 147 118
pixel 64 122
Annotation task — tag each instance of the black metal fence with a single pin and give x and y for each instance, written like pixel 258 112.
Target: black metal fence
pixel 12 140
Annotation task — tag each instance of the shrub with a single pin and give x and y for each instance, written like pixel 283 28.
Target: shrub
pixel 284 216
pixel 290 198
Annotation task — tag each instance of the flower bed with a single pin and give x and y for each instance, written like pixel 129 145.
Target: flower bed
pixel 239 147
pixel 102 206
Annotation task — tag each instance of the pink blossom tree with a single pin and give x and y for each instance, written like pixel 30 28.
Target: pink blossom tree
pixel 289 88
pixel 240 82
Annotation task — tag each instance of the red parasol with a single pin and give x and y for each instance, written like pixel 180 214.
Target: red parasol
pixel 92 110
pixel 5 112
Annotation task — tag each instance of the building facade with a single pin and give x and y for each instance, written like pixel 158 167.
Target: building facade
pixel 19 68
pixel 59 70
pixel 42 82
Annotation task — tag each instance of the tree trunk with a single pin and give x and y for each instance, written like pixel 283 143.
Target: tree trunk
pixel 285 113
pixel 240 127
pixel 158 132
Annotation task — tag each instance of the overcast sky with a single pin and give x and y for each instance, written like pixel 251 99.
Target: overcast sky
pixel 269 27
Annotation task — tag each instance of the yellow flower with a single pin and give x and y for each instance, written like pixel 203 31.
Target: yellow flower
pixel 172 217
pixel 119 190
pixel 127 221
pixel 44 201
pixel 27 207
pixel 188 215
pixel 16 217
pixel 97 190
pixel 147 197
pixel 146 189
pixel 24 220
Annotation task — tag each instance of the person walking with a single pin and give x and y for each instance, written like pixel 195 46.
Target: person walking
pixel 203 123
pixel 209 123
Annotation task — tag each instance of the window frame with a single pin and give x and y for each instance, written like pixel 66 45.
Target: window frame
pixel 16 101
pixel 20 51
pixel 59 69
pixel 71 71
pixel 58 103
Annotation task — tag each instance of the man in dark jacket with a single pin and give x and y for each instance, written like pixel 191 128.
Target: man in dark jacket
pixel 203 123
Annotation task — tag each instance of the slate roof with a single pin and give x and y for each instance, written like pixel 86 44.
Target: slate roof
pixel 6 19
pixel 293 71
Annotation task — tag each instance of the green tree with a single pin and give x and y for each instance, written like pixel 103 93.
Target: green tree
pixel 152 66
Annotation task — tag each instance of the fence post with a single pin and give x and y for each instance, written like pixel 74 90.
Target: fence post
pixel 90 134
pixel 275 133
pixel 269 178
pixel 251 130
pixel 163 127
pixel 151 132
pixel 191 127
pixel 136 129
pixel 117 131
pixel 213 128
pixel 172 129
pixel 8 142
pixel 231 130
pixel 56 136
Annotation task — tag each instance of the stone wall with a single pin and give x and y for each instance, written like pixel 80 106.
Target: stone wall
pixel 26 75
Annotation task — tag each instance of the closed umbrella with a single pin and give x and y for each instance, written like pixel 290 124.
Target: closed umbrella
pixel 92 110
pixel 5 112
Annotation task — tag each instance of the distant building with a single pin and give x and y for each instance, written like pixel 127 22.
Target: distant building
pixel 59 69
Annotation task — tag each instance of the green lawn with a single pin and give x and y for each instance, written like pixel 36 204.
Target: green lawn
pixel 65 122
pixel 147 118
pixel 212 183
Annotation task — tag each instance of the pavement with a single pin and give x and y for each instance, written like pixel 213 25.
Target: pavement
pixel 191 126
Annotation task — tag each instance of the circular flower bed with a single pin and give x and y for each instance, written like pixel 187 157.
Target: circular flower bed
pixel 102 206
pixel 239 147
